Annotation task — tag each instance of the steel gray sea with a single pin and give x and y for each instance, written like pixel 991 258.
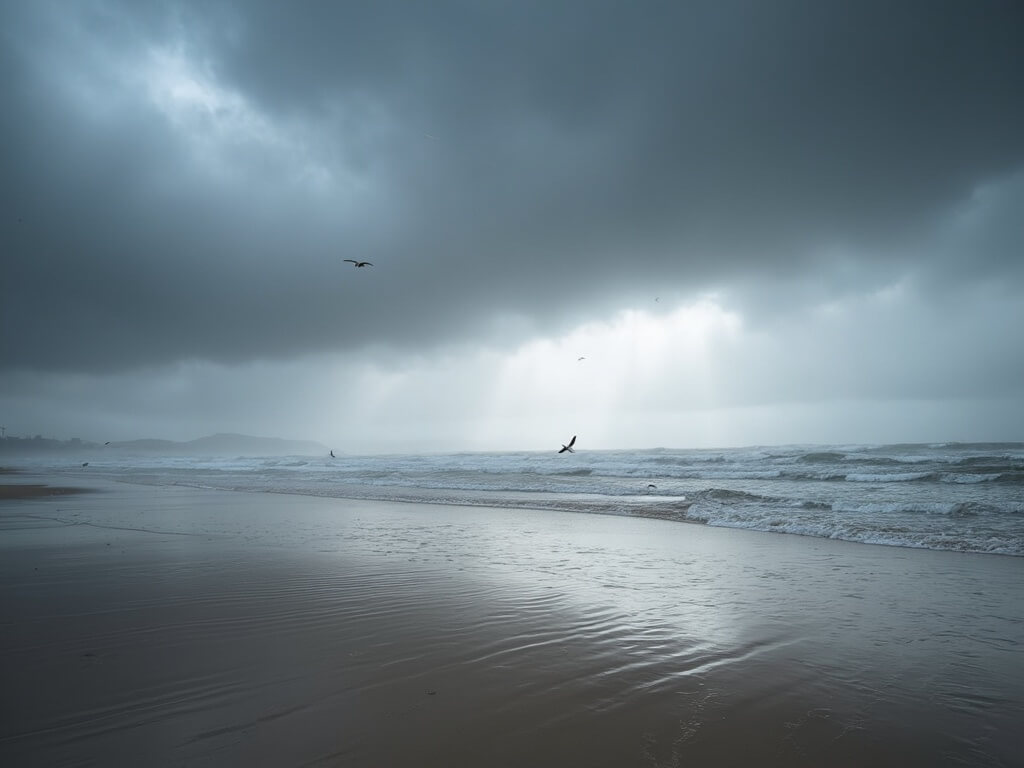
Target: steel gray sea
pixel 952 496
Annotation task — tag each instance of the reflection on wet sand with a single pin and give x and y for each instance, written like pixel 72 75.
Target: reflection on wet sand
pixel 190 627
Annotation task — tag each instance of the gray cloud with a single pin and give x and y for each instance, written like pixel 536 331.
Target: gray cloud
pixel 505 165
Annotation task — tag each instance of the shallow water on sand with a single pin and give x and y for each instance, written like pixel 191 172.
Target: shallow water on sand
pixel 173 626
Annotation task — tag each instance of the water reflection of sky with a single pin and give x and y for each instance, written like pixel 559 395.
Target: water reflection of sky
pixel 641 606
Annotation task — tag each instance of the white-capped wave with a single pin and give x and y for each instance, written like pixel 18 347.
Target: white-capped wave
pixel 963 478
pixel 889 530
pixel 887 511
pixel 890 477
pixel 798 490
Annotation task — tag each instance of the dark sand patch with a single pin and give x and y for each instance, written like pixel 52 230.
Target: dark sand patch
pixel 34 491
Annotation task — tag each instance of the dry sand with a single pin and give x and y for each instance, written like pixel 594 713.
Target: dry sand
pixel 173 626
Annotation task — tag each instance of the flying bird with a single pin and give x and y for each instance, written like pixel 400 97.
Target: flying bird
pixel 360 263
pixel 569 446
pixel 580 358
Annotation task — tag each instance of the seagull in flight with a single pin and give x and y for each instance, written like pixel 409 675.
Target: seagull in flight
pixel 569 446
pixel 360 263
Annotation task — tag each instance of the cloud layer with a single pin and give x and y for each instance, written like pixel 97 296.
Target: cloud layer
pixel 839 184
pixel 182 182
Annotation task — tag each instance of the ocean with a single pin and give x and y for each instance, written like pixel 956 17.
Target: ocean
pixel 966 497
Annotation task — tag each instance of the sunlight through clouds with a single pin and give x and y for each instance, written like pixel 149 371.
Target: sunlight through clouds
pixel 632 363
pixel 641 373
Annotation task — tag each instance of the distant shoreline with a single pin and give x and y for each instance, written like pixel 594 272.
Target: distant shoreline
pixel 221 444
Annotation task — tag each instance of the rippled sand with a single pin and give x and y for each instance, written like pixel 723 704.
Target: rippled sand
pixel 170 626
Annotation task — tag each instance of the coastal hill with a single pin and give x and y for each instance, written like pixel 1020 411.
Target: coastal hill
pixel 223 445
pixel 213 445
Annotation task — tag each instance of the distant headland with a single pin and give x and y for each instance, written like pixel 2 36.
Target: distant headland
pixel 213 445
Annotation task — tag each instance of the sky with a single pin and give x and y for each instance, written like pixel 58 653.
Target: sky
pixel 757 223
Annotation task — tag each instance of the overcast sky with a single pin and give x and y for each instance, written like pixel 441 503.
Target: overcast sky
pixel 758 222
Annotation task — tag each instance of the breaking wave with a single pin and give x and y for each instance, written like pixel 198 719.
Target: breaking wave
pixel 961 497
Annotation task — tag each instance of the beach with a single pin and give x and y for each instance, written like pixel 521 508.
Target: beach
pixel 165 625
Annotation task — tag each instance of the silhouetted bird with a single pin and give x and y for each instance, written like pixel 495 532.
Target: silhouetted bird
pixel 85 463
pixel 569 446
pixel 651 485
pixel 332 454
pixel 359 263
pixel 580 358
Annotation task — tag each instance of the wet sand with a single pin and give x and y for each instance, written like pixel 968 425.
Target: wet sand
pixel 34 490
pixel 174 626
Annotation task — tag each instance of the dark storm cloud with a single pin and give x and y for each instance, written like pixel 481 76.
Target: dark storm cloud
pixel 495 161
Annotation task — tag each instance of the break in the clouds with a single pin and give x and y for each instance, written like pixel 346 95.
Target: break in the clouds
pixel 182 181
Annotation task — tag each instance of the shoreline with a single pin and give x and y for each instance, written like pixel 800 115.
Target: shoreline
pixel 169 625
pixel 447 502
